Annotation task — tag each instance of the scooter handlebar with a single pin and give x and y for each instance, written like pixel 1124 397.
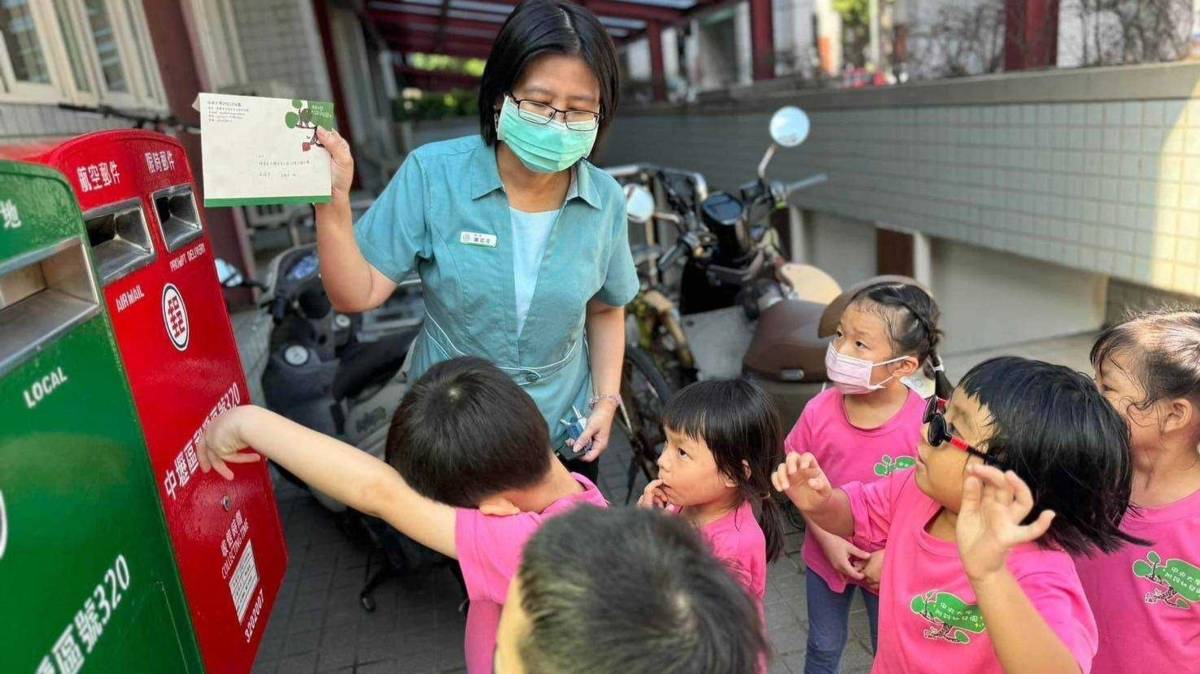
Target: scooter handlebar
pixel 808 182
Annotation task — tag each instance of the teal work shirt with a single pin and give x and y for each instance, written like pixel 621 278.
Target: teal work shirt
pixel 445 214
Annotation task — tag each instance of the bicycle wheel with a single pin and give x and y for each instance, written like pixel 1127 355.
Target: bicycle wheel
pixel 645 392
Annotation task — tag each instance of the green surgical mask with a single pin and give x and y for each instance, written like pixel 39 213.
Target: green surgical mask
pixel 545 148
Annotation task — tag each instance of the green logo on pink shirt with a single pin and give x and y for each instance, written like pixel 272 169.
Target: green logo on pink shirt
pixel 1178 583
pixel 887 465
pixel 950 618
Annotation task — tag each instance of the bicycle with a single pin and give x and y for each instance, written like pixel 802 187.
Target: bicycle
pixel 658 360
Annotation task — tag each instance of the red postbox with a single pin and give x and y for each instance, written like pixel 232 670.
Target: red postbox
pixel 156 264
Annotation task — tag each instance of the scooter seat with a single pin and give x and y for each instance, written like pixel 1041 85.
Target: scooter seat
pixel 366 364
pixel 785 346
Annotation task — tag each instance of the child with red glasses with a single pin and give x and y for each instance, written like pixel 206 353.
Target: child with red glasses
pixel 1026 466
pixel 862 428
pixel 1147 597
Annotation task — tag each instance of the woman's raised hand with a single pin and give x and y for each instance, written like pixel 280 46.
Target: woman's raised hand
pixel 341 164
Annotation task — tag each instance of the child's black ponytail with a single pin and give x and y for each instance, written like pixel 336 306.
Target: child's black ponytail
pixel 770 519
pixel 739 423
pixel 912 317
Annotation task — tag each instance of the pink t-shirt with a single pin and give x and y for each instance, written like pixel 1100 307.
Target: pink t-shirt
pixel 928 619
pixel 489 552
pixel 738 542
pixel 1147 598
pixel 851 454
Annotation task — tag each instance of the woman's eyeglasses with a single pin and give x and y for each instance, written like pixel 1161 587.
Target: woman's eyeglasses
pixel 540 113
pixel 938 430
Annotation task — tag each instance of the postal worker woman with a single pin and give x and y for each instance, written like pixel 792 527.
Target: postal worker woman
pixel 520 242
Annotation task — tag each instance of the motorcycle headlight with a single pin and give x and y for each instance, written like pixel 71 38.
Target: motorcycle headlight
pixel 295 355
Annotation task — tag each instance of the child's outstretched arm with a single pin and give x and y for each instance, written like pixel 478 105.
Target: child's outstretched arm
pixel 989 525
pixel 340 470
pixel 801 478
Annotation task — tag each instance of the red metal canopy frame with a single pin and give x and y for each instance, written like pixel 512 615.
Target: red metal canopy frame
pixel 467 28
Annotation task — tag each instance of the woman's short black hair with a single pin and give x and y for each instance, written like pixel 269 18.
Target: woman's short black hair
pixel 539 27
pixel 632 591
pixel 466 431
pixel 1052 427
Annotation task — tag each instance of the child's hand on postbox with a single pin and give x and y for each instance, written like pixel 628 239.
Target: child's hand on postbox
pixel 223 444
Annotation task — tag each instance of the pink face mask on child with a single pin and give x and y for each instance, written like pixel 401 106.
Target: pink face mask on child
pixel 852 376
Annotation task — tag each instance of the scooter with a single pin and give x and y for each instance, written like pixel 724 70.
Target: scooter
pixel 333 372
pixel 340 374
pixel 738 306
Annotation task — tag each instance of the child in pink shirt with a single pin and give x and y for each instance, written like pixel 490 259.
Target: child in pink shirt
pixel 1147 596
pixel 472 476
pixel 1025 465
pixel 723 440
pixel 864 427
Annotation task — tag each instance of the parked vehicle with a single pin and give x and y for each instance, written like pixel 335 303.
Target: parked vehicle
pixel 339 374
pixel 736 306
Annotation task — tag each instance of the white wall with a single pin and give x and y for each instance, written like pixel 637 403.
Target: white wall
pixel 741 27
pixel 638 54
pixel 962 31
pixel 844 248
pixel 715 55
pixel 794 40
pixel 990 299
pixel 1089 37
pixel 987 298
pixel 280 41
pixel 23 123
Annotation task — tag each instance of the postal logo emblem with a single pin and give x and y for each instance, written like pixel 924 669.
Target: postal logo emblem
pixel 175 317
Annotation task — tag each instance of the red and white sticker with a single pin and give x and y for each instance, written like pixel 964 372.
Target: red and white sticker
pixel 244 581
pixel 175 317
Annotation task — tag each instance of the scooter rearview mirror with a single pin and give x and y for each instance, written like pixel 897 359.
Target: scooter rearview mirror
pixel 227 274
pixel 639 204
pixel 789 126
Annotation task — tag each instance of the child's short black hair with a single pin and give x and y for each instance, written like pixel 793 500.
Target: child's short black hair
pixel 738 421
pixel 632 591
pixel 466 431
pixel 1052 427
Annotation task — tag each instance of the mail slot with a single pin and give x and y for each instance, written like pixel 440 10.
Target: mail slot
pixel 176 342
pixel 176 210
pixel 88 581
pixel 120 239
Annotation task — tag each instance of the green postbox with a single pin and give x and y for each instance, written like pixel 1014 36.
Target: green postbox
pixel 88 582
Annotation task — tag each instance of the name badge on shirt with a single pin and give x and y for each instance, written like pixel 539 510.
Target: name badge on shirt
pixel 477 239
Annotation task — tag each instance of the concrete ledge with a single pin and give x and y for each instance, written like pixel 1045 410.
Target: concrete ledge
pixel 1143 82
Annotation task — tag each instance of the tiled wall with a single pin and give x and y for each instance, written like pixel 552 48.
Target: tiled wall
pixel 22 123
pixel 1124 297
pixel 279 41
pixel 1103 184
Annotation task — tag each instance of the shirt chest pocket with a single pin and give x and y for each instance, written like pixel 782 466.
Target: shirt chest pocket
pixel 571 270
pixel 574 267
pixel 482 262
